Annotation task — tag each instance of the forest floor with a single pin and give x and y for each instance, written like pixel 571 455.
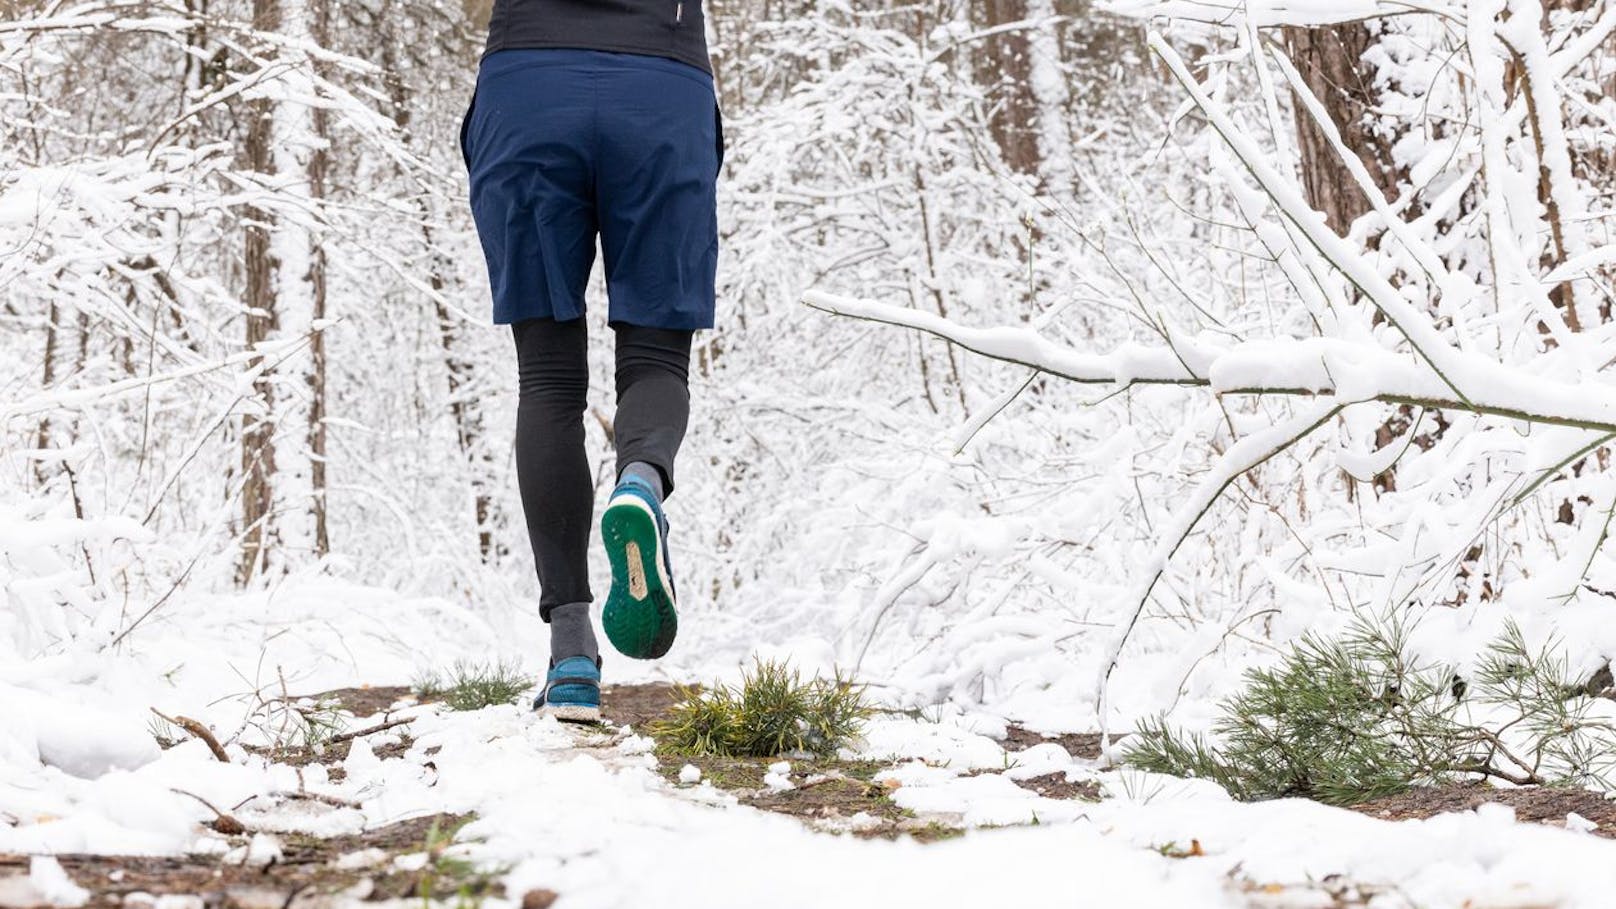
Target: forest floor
pixel 408 802
pixel 532 813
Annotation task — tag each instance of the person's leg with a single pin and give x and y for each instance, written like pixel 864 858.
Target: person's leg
pixel 529 148
pixel 657 165
pixel 653 409
pixel 653 403
pixel 552 471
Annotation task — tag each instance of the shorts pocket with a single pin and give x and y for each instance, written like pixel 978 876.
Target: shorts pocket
pixel 718 125
pixel 465 131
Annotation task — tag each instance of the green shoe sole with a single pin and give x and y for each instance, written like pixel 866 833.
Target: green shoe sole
pixel 639 617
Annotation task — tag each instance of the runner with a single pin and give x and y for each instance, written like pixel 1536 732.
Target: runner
pixel 598 119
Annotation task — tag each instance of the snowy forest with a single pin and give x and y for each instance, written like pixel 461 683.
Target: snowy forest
pixel 1180 421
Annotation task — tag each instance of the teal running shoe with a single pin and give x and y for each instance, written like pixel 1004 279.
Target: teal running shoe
pixel 572 691
pixel 639 617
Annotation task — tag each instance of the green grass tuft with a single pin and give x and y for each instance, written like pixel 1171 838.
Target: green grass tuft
pixel 772 712
pixel 447 873
pixel 473 686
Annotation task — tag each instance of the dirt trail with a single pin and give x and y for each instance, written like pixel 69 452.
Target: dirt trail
pixel 414 859
pixel 418 859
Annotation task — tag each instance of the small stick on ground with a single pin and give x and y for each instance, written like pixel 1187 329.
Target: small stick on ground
pixel 222 822
pixel 379 727
pixel 830 778
pixel 332 800
pixel 198 730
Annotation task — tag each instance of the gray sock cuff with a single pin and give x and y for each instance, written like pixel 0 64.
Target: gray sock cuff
pixel 646 473
pixel 570 632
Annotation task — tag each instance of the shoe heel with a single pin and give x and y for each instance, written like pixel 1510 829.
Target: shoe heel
pixel 639 616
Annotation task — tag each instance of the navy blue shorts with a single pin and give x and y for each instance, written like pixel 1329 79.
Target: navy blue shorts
pixel 563 145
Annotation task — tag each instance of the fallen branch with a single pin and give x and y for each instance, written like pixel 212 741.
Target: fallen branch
pixel 1342 372
pixel 197 730
pixel 222 822
pixel 304 795
pixel 369 730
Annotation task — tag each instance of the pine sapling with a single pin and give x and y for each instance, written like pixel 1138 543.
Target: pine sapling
pixel 1351 718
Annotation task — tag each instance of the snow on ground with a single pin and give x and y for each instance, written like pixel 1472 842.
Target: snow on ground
pixel 586 814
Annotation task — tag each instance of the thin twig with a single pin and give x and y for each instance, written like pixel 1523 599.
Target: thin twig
pixel 332 800
pixel 1499 747
pixel 379 727
pixel 198 730
pixel 222 822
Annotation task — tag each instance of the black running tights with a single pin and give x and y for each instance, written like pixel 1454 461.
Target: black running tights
pixel 552 466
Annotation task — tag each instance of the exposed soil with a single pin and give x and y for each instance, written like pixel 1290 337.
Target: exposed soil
pixel 830 795
pixel 1084 745
pixel 333 755
pixel 307 874
pixel 1540 804
pixel 1056 786
pixel 638 705
pixel 827 794
pixel 358 704
pixel 365 701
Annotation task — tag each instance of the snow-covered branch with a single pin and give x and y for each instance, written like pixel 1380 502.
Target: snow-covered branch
pixel 1349 372
pixel 1241 458
pixel 259 358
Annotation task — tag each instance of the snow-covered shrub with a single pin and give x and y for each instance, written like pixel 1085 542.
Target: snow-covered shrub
pixel 65 576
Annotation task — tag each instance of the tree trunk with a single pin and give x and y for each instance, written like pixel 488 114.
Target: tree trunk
pixel 282 514
pixel 1050 97
pixel 257 423
pixel 1004 67
pixel 1330 59
pixel 43 436
pixel 464 402
pixel 319 13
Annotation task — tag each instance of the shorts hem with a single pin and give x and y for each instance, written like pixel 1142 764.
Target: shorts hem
pixel 693 324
